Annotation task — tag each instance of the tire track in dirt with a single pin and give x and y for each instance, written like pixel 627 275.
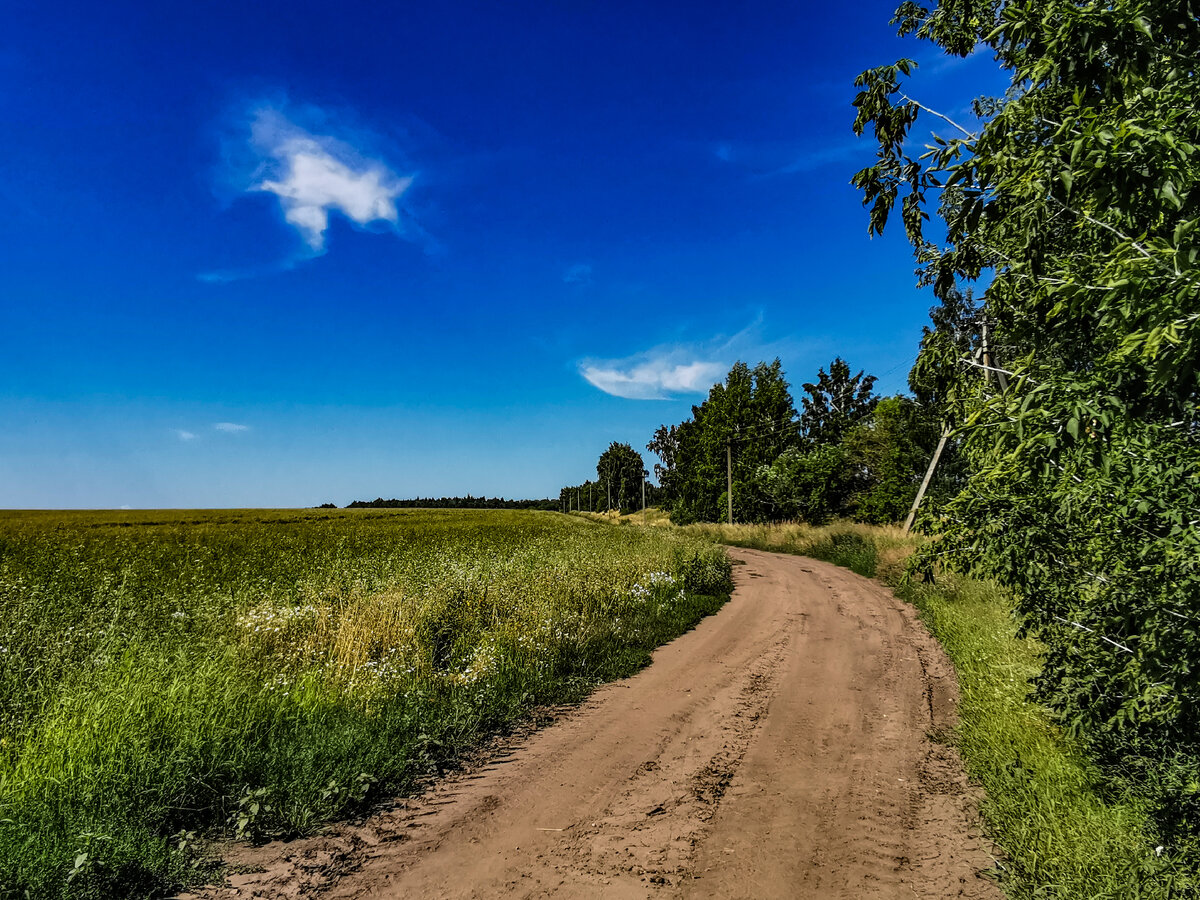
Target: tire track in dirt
pixel 780 749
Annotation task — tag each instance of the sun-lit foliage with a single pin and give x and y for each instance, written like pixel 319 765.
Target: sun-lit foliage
pixel 1076 197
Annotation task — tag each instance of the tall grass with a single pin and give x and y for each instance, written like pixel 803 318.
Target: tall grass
pixel 869 550
pixel 1064 832
pixel 169 676
pixel 1067 835
pixel 650 516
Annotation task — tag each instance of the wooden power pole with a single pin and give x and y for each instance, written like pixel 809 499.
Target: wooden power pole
pixel 988 368
pixel 729 477
pixel 937 454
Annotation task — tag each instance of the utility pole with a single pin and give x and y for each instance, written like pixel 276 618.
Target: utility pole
pixel 643 499
pixel 591 507
pixel 937 454
pixel 989 367
pixel 729 477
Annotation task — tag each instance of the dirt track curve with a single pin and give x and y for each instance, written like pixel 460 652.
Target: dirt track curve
pixel 780 749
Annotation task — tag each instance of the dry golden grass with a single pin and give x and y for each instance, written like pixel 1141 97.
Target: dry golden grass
pixel 887 545
pixel 650 516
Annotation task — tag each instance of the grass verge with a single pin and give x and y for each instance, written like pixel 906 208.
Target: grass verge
pixel 1062 831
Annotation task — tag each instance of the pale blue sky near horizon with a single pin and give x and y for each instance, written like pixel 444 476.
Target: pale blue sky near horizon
pixel 283 254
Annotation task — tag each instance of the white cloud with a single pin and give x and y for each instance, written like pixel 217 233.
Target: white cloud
pixel 184 435
pixel 231 427
pixel 580 273
pixel 313 175
pixel 653 378
pixel 671 370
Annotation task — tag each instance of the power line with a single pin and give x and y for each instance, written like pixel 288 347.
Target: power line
pixel 741 437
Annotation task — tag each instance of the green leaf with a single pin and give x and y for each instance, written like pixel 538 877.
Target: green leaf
pixel 1168 190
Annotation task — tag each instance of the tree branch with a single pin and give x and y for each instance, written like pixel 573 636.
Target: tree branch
pixel 933 112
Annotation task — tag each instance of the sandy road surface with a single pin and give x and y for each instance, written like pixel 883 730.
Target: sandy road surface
pixel 780 749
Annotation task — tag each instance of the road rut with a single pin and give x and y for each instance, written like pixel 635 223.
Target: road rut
pixel 780 749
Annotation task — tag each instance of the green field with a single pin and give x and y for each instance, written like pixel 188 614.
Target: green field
pixel 167 677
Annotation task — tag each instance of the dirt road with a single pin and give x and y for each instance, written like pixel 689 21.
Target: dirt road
pixel 781 749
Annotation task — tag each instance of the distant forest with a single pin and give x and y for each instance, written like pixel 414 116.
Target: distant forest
pixel 467 502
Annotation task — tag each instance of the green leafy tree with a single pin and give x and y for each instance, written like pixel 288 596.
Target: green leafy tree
pixel 665 445
pixel 886 457
pixel 812 485
pixel 1079 194
pixel 871 475
pixel 751 412
pixel 835 403
pixel 621 472
pixel 954 335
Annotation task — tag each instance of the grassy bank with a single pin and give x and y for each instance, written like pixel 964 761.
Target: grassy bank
pixel 166 677
pixel 651 516
pixel 1061 833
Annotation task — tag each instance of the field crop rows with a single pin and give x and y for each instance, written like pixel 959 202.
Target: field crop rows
pixel 169 677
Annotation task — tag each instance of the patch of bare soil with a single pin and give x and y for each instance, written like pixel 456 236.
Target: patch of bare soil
pixel 781 749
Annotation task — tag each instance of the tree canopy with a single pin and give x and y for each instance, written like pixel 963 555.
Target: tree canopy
pixel 1078 193
pixel 621 472
pixel 752 413
pixel 835 402
pixel 848 454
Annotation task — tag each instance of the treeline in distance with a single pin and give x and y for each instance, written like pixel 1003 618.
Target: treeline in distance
pixel 467 502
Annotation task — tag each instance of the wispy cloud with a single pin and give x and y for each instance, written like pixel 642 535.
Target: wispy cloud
pixel 184 435
pixel 581 273
pixel 225 276
pixel 817 157
pixel 931 64
pixel 231 427
pixel 655 375
pixel 686 367
pixel 667 370
pixel 767 159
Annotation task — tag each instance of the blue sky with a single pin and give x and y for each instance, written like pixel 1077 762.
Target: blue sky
pixel 279 254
